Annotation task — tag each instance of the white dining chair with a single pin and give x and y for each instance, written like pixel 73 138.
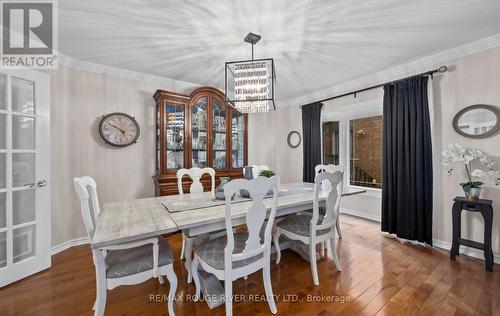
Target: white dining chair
pixel 332 168
pixel 124 264
pixel 237 255
pixel 313 229
pixel 195 175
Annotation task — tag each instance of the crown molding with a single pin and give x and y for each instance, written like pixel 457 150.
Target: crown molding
pixel 171 84
pixel 398 72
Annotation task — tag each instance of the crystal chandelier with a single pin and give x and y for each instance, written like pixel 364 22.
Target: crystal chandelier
pixel 249 84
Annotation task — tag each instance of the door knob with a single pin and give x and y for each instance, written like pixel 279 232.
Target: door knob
pixel 41 183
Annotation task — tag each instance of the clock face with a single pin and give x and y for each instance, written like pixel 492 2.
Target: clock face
pixel 119 129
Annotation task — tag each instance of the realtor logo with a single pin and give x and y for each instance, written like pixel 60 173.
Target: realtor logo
pixel 29 34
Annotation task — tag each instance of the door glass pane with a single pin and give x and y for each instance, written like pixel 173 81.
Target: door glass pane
pixel 3 92
pixel 366 151
pixel 3 208
pixel 24 243
pixel 23 206
pixel 23 169
pixel 3 131
pixel 238 132
pixel 174 136
pixel 199 133
pixel 3 249
pixel 23 96
pixel 331 143
pixel 3 167
pixel 23 132
pixel 219 135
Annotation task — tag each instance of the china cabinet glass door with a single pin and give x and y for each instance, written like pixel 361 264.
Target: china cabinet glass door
pixel 174 135
pixel 238 139
pixel 219 160
pixel 199 133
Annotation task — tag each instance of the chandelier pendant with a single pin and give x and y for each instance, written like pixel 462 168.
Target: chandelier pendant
pixel 249 84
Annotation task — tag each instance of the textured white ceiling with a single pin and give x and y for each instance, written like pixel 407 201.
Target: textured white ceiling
pixel 315 44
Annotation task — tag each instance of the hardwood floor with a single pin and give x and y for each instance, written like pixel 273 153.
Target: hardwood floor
pixel 381 276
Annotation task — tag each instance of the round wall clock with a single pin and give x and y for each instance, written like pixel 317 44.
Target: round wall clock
pixel 119 129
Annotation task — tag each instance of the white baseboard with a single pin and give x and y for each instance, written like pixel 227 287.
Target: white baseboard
pixel 468 251
pixel 370 216
pixel 68 244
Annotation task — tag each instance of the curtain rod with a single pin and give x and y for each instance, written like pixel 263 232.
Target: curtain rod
pixel 440 70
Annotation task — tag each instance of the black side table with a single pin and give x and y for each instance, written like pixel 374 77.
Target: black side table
pixel 483 206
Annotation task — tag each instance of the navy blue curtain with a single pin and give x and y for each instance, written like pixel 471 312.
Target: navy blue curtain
pixel 311 134
pixel 407 161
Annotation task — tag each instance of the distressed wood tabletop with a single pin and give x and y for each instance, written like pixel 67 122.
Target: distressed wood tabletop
pixel 121 222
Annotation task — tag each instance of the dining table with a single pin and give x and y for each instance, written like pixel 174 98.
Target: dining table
pixel 198 215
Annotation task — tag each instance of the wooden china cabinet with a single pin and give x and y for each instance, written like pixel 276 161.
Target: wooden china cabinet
pixel 199 130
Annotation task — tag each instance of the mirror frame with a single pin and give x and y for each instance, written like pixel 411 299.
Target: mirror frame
pixel 289 139
pixel 475 107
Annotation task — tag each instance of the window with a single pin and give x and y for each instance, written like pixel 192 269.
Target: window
pixel 365 151
pixel 354 139
pixel 331 143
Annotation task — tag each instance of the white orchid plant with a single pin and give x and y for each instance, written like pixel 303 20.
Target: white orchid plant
pixel 456 153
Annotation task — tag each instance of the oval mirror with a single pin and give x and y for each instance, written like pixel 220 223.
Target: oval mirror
pixel 294 139
pixel 477 121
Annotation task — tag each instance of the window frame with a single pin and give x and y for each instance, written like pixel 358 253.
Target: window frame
pixel 344 116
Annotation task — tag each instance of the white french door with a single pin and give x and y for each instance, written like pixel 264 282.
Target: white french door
pixel 24 174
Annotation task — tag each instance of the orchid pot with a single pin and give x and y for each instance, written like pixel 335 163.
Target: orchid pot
pixel 474 194
pixel 472 190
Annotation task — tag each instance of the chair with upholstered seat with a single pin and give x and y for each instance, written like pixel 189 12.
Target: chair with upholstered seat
pixel 313 229
pixel 237 255
pixel 195 175
pixel 127 263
